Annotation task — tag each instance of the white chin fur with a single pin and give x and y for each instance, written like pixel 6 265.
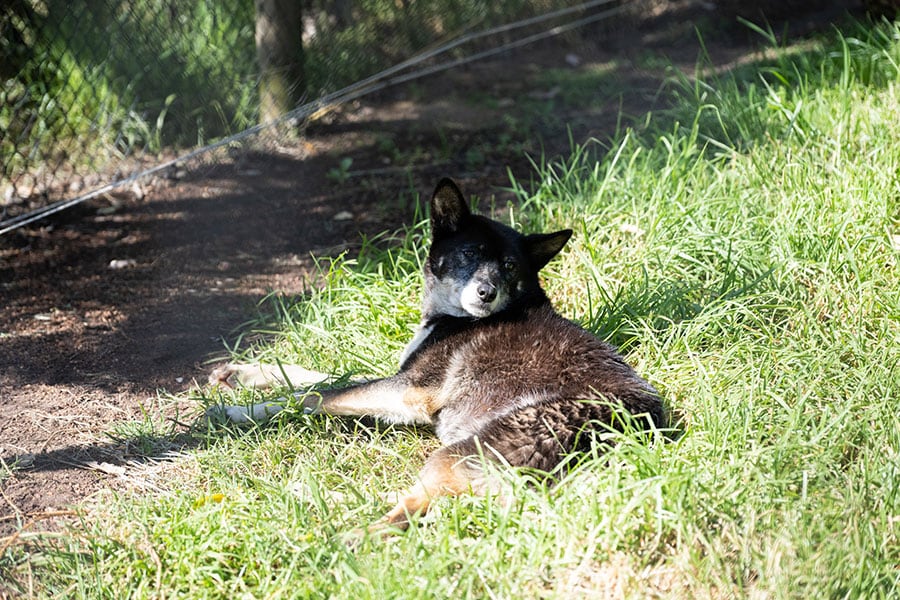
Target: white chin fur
pixel 478 311
pixel 461 300
pixel 473 305
pixel 444 299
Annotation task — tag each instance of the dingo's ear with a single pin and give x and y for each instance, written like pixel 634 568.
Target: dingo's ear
pixel 544 246
pixel 448 208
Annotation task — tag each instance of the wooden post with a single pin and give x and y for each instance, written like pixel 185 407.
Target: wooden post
pixel 279 50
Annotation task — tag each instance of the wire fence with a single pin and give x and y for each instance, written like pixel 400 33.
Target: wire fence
pixel 98 93
pixel 94 88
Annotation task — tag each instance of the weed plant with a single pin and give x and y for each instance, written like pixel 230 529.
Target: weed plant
pixel 746 260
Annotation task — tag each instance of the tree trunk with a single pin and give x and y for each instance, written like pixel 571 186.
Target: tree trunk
pixel 279 50
pixel 342 12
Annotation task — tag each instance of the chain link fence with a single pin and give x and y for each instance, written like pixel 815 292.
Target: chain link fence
pixel 91 88
pixel 95 90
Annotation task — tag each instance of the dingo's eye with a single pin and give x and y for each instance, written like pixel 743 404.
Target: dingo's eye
pixel 509 265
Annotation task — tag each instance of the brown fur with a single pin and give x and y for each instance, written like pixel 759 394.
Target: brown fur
pixel 568 383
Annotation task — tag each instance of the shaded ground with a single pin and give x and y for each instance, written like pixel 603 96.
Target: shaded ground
pixel 84 346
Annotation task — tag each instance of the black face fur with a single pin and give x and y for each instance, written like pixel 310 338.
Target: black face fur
pixel 478 267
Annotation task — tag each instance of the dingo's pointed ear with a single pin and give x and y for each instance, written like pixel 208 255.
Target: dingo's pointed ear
pixel 544 246
pixel 448 208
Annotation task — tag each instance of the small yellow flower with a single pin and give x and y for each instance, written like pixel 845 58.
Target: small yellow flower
pixel 211 498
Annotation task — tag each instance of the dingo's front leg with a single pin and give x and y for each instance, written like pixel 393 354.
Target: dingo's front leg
pixel 262 376
pixel 392 399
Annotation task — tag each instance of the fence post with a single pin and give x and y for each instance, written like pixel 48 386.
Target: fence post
pixel 279 50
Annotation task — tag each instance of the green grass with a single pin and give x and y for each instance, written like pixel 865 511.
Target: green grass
pixel 747 264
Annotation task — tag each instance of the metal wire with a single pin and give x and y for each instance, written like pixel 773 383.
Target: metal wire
pixel 379 81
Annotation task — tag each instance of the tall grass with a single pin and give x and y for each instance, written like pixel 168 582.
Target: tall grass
pixel 754 283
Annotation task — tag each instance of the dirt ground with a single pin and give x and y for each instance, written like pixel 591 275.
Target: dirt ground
pixel 85 345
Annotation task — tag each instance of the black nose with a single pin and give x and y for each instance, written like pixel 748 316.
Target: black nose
pixel 487 292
